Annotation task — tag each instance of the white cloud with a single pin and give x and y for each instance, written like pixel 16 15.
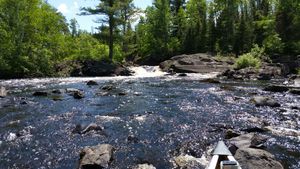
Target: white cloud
pixel 63 8
pixel 75 5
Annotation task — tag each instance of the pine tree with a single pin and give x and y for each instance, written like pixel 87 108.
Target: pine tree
pixel 111 9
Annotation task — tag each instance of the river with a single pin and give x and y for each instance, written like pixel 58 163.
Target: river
pixel 157 117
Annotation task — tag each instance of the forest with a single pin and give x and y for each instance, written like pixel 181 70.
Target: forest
pixel 35 38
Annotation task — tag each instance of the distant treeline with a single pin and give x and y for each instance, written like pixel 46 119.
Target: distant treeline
pixel 34 37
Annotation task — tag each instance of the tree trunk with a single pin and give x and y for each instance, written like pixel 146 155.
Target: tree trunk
pixel 111 38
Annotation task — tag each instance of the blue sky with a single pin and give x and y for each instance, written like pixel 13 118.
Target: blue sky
pixel 70 8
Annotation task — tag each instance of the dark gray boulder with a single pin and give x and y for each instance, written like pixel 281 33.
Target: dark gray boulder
pixel 108 87
pixel 92 68
pixel 58 91
pixel 96 157
pixel 40 93
pixel 78 95
pixel 276 88
pixel 92 83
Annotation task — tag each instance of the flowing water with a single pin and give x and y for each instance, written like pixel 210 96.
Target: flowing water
pixel 159 117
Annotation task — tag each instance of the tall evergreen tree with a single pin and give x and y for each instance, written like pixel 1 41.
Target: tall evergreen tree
pixel 111 9
pixel 197 27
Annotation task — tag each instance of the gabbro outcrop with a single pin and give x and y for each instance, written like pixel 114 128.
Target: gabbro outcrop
pixel 196 63
pixel 91 68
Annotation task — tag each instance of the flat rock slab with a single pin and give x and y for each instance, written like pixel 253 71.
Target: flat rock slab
pixel 195 63
pixel 96 156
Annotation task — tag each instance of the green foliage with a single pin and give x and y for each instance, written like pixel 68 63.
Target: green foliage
pixel 32 35
pixel 273 44
pixel 257 52
pixel 247 60
pixel 298 71
pixel 85 47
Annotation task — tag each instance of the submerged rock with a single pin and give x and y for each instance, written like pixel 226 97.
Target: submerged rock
pixel 122 93
pixel 182 75
pixel 92 83
pixel 80 129
pixel 40 93
pixel 72 90
pixel 210 80
pixel 276 88
pixel 265 101
pixel 250 158
pixel 144 166
pixel 3 92
pixel 96 156
pixel 108 87
pixel 78 95
pixel 58 91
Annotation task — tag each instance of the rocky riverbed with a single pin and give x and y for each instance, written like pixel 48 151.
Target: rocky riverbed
pixel 165 121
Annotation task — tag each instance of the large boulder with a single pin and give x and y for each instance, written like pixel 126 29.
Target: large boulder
pixel 266 72
pixel 250 158
pixel 91 68
pixel 3 92
pixel 96 157
pixel 196 63
pixel 96 68
pixel 246 152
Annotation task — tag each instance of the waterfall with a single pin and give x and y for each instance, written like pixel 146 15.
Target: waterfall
pixel 147 71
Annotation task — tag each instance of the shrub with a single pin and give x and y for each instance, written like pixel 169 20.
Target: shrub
pixel 247 60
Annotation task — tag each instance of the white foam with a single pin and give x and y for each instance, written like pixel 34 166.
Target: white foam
pixel 147 71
